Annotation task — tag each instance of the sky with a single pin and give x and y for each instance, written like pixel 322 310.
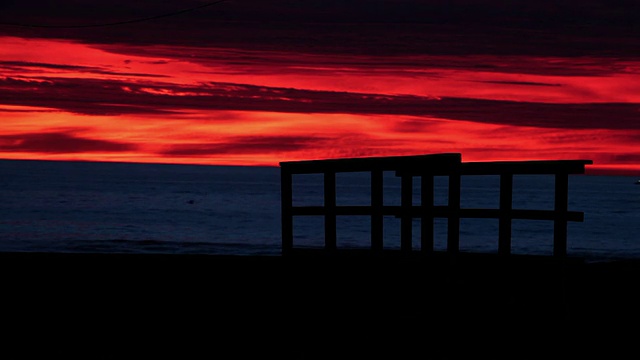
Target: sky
pixel 248 82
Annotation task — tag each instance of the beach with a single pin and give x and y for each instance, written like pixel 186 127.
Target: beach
pixel 319 305
pixel 512 290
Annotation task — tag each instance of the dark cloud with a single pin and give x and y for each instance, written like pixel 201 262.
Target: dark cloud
pixel 627 158
pixel 112 97
pixel 26 66
pixel 456 27
pixel 15 65
pixel 29 110
pixel 80 96
pixel 618 116
pixel 523 83
pixel 245 145
pixel 58 142
pixel 237 61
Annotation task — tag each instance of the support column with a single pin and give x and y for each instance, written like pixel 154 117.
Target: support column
pixel 406 219
pixel 506 205
pixel 286 204
pixel 560 219
pixel 330 233
pixel 426 219
pixel 376 210
pixel 453 223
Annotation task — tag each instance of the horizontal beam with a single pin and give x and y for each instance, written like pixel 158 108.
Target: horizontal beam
pixel 547 167
pixel 444 161
pixel 435 164
pixel 442 212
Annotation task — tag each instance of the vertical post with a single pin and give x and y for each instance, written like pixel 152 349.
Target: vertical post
pixel 286 204
pixel 453 222
pixel 506 205
pixel 376 210
pixel 406 219
pixel 330 236
pixel 560 214
pixel 426 220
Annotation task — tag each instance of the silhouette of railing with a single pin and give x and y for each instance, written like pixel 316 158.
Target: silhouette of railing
pixel 426 167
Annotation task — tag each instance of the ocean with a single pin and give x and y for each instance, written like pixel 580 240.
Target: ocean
pixel 98 207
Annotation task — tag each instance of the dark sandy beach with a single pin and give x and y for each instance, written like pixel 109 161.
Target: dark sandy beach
pixel 440 288
pixel 322 304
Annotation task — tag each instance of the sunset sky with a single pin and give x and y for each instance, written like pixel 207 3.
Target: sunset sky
pixel 248 82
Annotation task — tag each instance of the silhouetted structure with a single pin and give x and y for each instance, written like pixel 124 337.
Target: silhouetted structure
pixel 426 167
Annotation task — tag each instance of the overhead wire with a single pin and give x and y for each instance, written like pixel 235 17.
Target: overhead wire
pixel 115 23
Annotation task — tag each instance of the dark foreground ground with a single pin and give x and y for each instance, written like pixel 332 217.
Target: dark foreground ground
pixel 318 299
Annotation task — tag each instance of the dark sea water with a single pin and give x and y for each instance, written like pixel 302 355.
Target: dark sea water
pixel 159 208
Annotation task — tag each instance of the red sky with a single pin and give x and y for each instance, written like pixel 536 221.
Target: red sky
pixel 256 83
